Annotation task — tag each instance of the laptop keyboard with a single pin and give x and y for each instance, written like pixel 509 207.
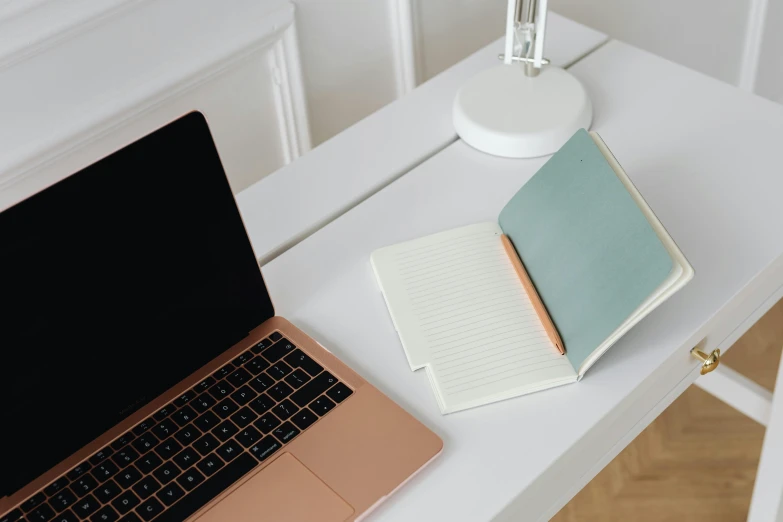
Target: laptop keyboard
pixel 170 465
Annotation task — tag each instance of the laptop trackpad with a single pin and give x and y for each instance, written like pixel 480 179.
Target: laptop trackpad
pixel 284 491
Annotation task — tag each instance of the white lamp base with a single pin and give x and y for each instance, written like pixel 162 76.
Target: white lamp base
pixel 503 112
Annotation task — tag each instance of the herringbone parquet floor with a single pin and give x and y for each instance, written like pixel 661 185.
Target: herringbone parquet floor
pixel 697 461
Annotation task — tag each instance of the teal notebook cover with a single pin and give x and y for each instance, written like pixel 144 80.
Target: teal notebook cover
pixel 590 252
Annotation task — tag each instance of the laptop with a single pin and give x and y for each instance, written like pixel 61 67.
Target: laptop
pixel 145 376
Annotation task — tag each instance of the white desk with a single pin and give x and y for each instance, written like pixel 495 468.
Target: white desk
pixel 359 161
pixel 704 155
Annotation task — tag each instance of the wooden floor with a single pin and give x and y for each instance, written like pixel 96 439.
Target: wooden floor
pixel 697 461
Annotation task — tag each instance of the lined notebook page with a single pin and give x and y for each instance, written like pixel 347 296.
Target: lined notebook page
pixel 462 313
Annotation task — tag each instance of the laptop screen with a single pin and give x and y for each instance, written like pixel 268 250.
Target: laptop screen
pixel 116 283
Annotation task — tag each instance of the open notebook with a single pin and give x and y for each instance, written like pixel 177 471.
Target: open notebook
pixel 596 253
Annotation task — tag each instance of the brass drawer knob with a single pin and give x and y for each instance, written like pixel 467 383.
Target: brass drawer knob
pixel 708 362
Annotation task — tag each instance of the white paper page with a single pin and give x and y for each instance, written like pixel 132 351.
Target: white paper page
pixel 462 313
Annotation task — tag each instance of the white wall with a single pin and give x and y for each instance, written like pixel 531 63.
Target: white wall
pixel 344 58
pixel 769 79
pixel 448 30
pixel 349 47
pixel 706 35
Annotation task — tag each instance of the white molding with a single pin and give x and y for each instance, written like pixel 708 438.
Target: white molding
pixel 739 392
pixel 754 37
pixel 103 91
pixel 290 103
pixel 404 38
pixel 30 27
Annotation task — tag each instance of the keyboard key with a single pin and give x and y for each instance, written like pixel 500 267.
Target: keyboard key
pixel 122 441
pixel 130 517
pixel 257 365
pixel 242 358
pixel 285 409
pixel 105 471
pixel 148 463
pixel 145 442
pixel 225 430
pixel 125 502
pixel 207 421
pixel 261 346
pixel 275 336
pixel 86 507
pixel 243 395
pixel 190 479
pixel 184 398
pixel 339 392
pixel 261 382
pixel 165 429
pixel 297 379
pixel 322 405
pixel 209 489
pixel 224 371
pixel 150 509
pixel 204 385
pixel 65 516
pixel 167 472
pixel 146 487
pixel 125 456
pixel 210 464
pixel 302 360
pixel 76 472
pixel 279 370
pixel 267 423
pixel 12 516
pixel 143 426
pixel 83 485
pixel 107 491
pixel 54 487
pixel 186 458
pixel 168 448
pixel 308 393
pixel 265 447
pixel 33 502
pixel 262 404
pixel 248 436
pixel 164 412
pixel 225 408
pixel 62 500
pixel 203 402
pixel 243 417
pixel 238 377
pixel 206 444
pixel 278 350
pixel 230 450
pixel 42 513
pixel 101 456
pixel 184 415
pixel 187 435
pixel 304 418
pixel 280 391
pixel 170 494
pixel 105 514
pixel 221 390
pixel 128 477
pixel 285 432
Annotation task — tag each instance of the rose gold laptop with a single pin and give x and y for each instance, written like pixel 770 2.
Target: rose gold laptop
pixel 145 376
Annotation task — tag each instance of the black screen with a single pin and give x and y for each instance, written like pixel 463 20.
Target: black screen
pixel 115 284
